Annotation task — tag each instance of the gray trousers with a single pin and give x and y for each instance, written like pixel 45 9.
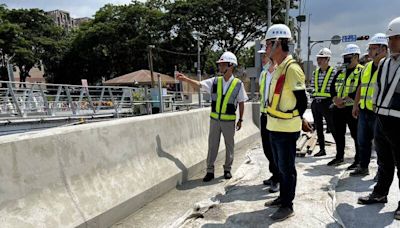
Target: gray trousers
pixel 228 130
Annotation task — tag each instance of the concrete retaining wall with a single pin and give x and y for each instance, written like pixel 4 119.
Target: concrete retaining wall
pixel 94 175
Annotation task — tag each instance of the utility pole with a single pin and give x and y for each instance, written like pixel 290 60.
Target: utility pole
pixel 197 35
pixel 199 68
pixel 160 94
pixel 287 12
pixel 150 60
pixel 176 81
pixel 308 46
pixel 269 13
pixel 299 34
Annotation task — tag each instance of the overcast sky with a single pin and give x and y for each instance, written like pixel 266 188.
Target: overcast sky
pixel 329 17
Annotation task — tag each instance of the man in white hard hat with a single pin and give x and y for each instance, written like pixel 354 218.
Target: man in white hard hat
pixel 387 107
pixel 287 102
pixel 227 92
pixel 264 82
pixel 343 91
pixel 321 84
pixel 363 108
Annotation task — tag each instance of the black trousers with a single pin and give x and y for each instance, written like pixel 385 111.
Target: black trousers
pixel 266 143
pixel 387 146
pixel 342 117
pixel 320 110
pixel 284 149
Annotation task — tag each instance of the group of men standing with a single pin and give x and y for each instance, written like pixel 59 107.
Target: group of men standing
pixel 364 98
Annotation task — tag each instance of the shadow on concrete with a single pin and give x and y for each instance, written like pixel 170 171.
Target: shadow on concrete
pixel 246 219
pixel 192 184
pixel 163 154
pixel 365 216
pixel 256 114
pixel 244 193
pixel 333 225
pixel 311 159
pixel 355 184
pixel 318 170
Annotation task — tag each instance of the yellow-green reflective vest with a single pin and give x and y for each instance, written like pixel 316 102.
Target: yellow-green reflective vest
pixel 223 107
pixel 367 87
pixel 263 108
pixel 273 106
pixel 344 86
pixel 321 92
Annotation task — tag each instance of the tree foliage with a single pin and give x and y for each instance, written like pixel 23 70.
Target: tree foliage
pixel 116 41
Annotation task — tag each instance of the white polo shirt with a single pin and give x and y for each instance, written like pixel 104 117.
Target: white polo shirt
pixel 206 86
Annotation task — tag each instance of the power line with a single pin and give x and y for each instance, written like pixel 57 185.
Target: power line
pixel 178 53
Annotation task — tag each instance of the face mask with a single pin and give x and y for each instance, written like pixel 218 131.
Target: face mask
pixel 347 60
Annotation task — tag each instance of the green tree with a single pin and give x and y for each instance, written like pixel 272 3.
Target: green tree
pixel 115 42
pixel 29 35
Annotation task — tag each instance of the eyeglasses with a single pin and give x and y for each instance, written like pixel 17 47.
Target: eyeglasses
pixel 269 43
pixel 373 48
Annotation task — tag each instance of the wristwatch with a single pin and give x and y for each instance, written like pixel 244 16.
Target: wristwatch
pixel 240 120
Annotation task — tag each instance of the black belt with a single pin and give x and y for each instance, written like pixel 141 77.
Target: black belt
pixel 320 100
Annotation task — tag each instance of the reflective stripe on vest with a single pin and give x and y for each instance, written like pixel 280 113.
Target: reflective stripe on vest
pixel 344 86
pixel 221 102
pixel 367 87
pixel 388 100
pixel 263 109
pixel 273 106
pixel 322 92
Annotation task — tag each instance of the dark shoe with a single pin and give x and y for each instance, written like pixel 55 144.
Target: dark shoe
pixel 268 181
pixel 274 203
pixel 359 172
pixel 397 213
pixel 208 177
pixel 227 175
pixel 353 166
pixel 274 187
pixel 327 131
pixel 282 213
pixel 372 198
pixel 320 153
pixel 335 162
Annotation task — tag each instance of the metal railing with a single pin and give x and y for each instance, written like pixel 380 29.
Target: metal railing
pixel 24 99
pixel 61 100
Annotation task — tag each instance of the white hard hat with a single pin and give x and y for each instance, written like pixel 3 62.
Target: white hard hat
pixel 393 28
pixel 324 52
pixel 351 49
pixel 379 38
pixel 228 57
pixel 278 31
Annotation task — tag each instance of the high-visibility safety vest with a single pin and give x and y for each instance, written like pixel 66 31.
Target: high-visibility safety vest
pixel 388 93
pixel 346 85
pixel 263 108
pixel 367 87
pixel 322 92
pixel 273 105
pixel 223 106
